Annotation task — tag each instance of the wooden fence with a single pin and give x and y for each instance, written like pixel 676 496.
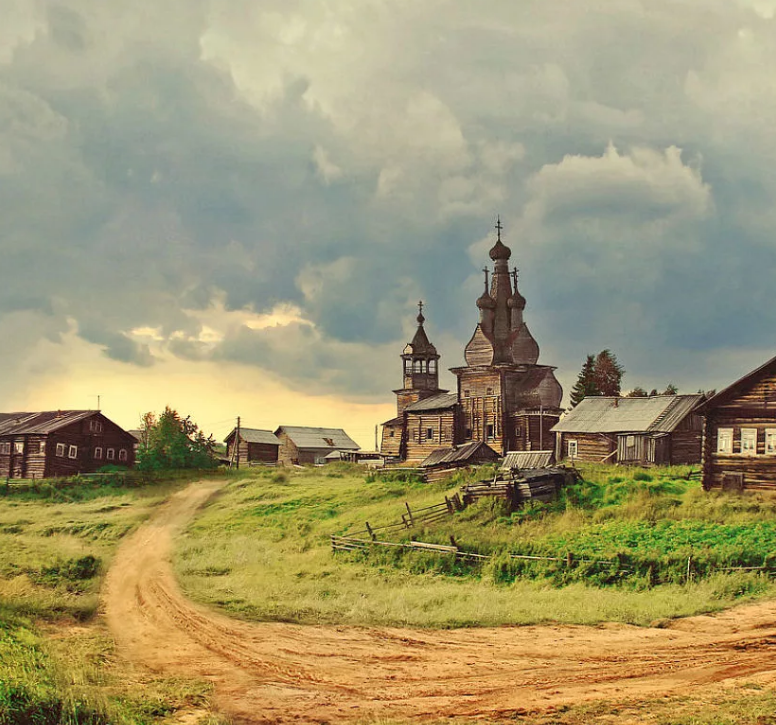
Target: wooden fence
pixel 413 517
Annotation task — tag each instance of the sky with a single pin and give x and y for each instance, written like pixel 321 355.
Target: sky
pixel 232 207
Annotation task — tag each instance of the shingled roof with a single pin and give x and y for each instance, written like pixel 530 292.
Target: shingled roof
pixel 41 423
pixel 435 402
pixel 319 438
pixel 255 435
pixel 653 414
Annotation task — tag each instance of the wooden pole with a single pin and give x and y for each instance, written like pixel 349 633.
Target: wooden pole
pixel 237 442
pixel 409 513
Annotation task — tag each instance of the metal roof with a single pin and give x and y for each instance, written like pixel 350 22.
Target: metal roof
pixel 304 437
pixel 475 449
pixel 653 414
pixel 255 435
pixel 435 402
pixel 527 459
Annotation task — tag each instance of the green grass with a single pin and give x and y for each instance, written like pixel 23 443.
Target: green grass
pixel 57 663
pixel 261 550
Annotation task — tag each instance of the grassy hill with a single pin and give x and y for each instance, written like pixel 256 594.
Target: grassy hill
pixel 261 550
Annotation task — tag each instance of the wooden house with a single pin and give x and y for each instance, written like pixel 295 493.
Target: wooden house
pixel 660 429
pixel 254 446
pixel 739 432
pixel 504 397
pixel 300 444
pixel 61 443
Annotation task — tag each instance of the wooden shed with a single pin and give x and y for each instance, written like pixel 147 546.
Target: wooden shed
pixel 660 429
pixel 739 432
pixel 61 443
pixel 254 446
pixel 300 444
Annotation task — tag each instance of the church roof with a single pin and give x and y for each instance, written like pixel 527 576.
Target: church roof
pixel 435 402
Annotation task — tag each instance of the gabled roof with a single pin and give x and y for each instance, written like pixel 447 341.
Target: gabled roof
pixel 42 423
pixel 255 435
pixel 394 421
pixel 476 450
pixel 443 401
pixel 318 438
pixel 654 414
pixel 723 396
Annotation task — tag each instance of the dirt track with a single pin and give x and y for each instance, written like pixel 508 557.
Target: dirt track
pixel 291 673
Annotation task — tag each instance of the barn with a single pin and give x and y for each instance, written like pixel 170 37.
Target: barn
pixel 61 443
pixel 300 444
pixel 255 446
pixel 739 432
pixel 654 430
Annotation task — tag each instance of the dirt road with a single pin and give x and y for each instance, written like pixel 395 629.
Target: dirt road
pixel 279 673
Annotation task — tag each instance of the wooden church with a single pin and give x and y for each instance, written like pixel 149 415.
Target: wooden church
pixel 504 397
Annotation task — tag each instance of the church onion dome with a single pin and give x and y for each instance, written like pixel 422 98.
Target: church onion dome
pixel 516 301
pixel 486 302
pixel 500 251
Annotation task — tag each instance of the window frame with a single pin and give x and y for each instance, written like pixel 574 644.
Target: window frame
pixel 750 435
pixel 5 448
pixel 572 449
pixel 123 456
pixel 72 452
pixel 98 453
pixel 770 433
pixel 18 448
pixel 725 434
pixel 110 454
pixel 61 450
pixel 430 434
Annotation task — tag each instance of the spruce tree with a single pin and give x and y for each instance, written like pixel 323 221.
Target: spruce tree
pixel 586 382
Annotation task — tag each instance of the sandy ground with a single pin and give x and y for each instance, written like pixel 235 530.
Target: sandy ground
pixel 280 673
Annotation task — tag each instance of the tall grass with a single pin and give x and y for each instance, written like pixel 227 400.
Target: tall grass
pixel 262 551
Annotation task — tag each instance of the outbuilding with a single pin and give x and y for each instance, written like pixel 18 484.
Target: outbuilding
pixel 654 430
pixel 300 444
pixel 253 446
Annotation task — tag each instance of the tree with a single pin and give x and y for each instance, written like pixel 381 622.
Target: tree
pixel 586 384
pixel 608 373
pixel 172 442
pixel 671 389
pixel 637 392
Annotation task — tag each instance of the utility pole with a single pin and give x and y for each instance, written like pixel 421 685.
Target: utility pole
pixel 377 448
pixel 237 442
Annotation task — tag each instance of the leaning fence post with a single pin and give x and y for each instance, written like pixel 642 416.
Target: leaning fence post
pixel 369 529
pixel 569 559
pixel 409 513
pixel 449 505
pixel 453 542
pixel 689 567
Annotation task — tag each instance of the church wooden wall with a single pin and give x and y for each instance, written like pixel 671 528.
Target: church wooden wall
pixel 479 393
pixel 391 440
pixel 442 425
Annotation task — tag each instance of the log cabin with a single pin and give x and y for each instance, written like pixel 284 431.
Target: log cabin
pixel 61 443
pixel 503 397
pixel 655 430
pixel 300 444
pixel 254 446
pixel 739 433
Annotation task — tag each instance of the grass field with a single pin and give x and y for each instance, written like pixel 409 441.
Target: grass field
pixel 57 663
pixel 261 550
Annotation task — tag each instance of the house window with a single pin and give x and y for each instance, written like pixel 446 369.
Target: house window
pixel 95 426
pixel 416 366
pixel 111 454
pixel 5 448
pixel 770 442
pixel 18 447
pixel 468 434
pixel 123 454
pixel 571 449
pixel 429 433
pixel 749 441
pixel 490 431
pixel 42 447
pixel 465 393
pixel 60 449
pixel 98 454
pixel 391 432
pixel 432 366
pixel 489 391
pixel 725 440
pixel 72 452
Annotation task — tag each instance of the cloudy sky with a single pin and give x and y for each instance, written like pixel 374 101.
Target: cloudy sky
pixel 233 206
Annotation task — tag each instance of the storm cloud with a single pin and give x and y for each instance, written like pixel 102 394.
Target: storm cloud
pixel 174 176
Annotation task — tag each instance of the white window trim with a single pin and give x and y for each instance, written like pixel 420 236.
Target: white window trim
pixel 72 452
pixel 723 433
pixel 572 449
pixel 123 454
pixel 5 448
pixel 61 450
pixel 749 434
pixel 770 433
pixel 18 447
pixel 98 453
pixel 110 455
